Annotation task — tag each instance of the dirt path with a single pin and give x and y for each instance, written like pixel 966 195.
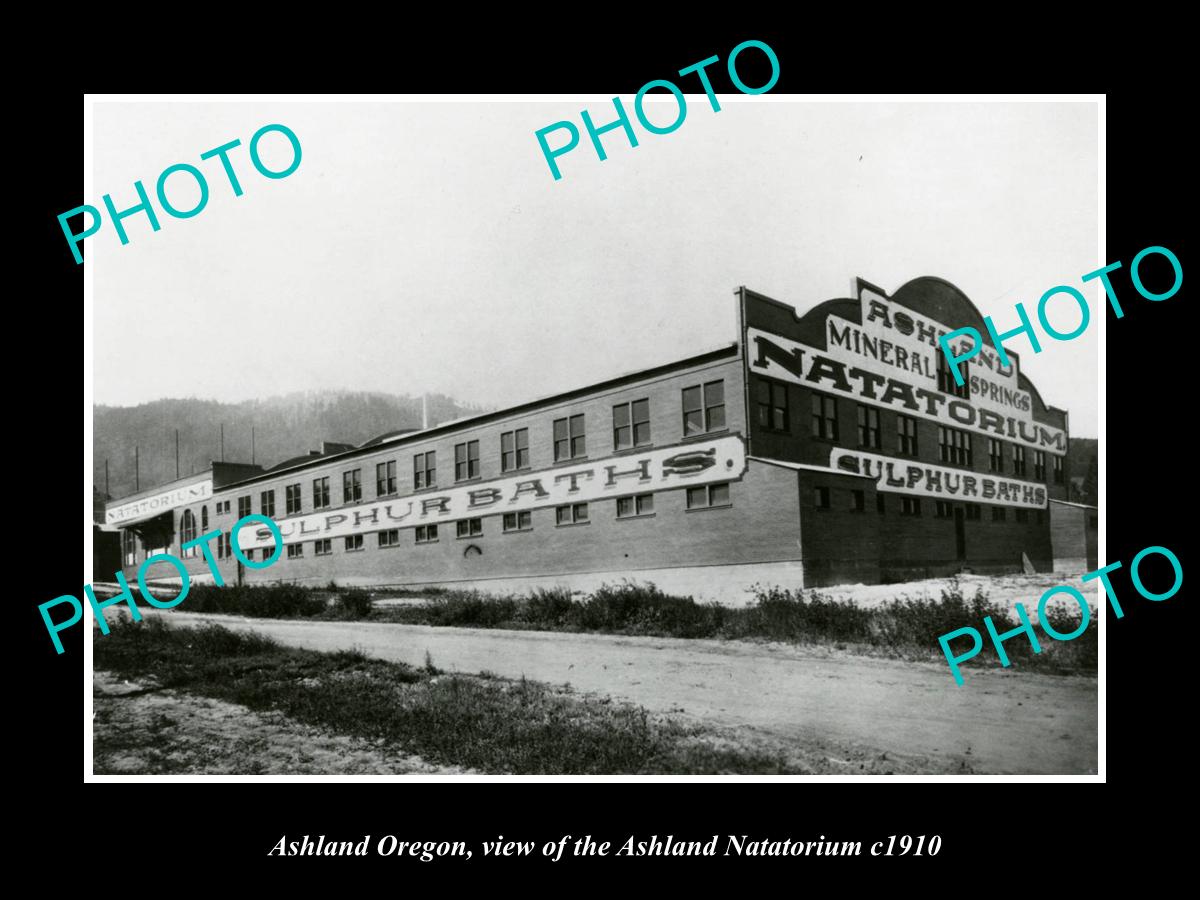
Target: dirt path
pixel 997 722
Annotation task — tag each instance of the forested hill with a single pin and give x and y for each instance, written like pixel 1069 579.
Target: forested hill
pixel 284 427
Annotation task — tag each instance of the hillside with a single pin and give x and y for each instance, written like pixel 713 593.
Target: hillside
pixel 284 427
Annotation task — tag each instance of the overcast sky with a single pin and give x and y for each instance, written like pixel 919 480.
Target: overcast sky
pixel 426 246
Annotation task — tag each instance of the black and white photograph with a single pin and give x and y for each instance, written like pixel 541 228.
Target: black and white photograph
pixel 453 438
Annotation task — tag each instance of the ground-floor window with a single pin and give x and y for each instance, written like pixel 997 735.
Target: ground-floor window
pixel 389 538
pixel 974 512
pixel 323 547
pixel 910 506
pixel 295 551
pixel 942 510
pixel 354 542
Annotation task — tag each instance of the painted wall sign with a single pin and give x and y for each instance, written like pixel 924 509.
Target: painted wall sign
pixel 136 510
pixel 923 480
pixel 660 469
pixel 882 365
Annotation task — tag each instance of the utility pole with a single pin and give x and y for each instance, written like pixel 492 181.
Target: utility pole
pixel 424 411
pixel 136 480
pixel 251 445
pixel 176 453
pixel 222 442
pixel 106 493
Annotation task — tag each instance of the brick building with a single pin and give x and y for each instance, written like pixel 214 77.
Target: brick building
pixel 825 448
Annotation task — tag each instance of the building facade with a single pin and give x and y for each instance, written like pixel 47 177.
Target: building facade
pixel 826 448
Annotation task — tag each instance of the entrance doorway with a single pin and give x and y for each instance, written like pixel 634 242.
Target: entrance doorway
pixel 960 534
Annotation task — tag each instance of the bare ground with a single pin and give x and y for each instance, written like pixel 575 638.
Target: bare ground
pixel 998 722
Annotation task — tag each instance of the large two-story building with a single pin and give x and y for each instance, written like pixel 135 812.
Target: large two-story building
pixel 825 448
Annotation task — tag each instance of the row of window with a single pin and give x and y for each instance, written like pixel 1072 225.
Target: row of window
pixel 911 506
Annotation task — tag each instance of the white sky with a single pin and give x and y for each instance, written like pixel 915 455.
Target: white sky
pixel 426 246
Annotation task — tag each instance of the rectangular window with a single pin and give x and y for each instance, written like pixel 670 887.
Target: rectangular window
pixel 772 405
pixel 323 547
pixel 574 514
pixel 466 461
pixel 858 501
pixel 569 442
pixel 995 455
pixel 426 534
pixel 321 492
pixel 389 538
pixel 267 502
pixel 352 485
pixel 821 497
pixel 1023 515
pixel 954 446
pixel 1018 460
pixel 704 408
pixel 824 417
pixel 354 542
pixel 518 521
pixel 243 507
pixel 129 545
pixel 295 551
pixel 868 427
pixel 942 510
pixel 709 495
pixel 631 507
pixel 385 478
pixel 974 512
pixel 945 377
pixel 910 506
pixel 1058 470
pixel 631 424
pixel 906 427
pixel 469 527
pixel 425 470
pixel 880 504
pixel 227 540
pixel 1039 465
pixel 293 498
pixel 514 450
pixel 998 514
pixel 1041 517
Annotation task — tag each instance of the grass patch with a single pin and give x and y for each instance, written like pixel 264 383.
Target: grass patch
pixel 489 724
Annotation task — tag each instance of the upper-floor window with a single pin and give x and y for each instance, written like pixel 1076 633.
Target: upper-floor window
pixel 704 408
pixel 425 469
pixel 707 495
pixel 1018 460
pixel 243 506
pixel 945 377
pixel 631 424
pixel 187 532
pixel 821 499
pixel 469 527
pixel 906 429
pixel 569 439
pixel 385 478
pixel 868 427
pixel 292 496
pixel 637 505
pixel 466 461
pixel 574 514
pixel 1058 471
pixel 320 492
pixel 352 485
pixel 204 518
pixel 514 450
pixel 772 405
pixel 995 455
pixel 426 534
pixel 1039 465
pixel 267 502
pixel 824 417
pixel 954 446
pixel 518 521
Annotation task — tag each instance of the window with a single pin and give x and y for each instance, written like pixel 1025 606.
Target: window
pixel 1018 460
pixel 129 546
pixel 425 470
pixel 942 510
pixel 514 450
pixel 574 514
pixel 974 512
pixel 858 501
pixel 1039 465
pixel 469 527
pixel 998 514
pixel 227 541
pixel 426 534
pixel 292 492
pixel 569 442
pixel 389 538
pixel 354 542
pixel 267 501
pixel 708 495
pixel 821 497
pixel 910 506
pixel 320 492
pixel 204 519
pixel 880 504
pixel 243 507
pixel 518 521
pixel 631 507
pixel 945 377
pixel 187 532
pixel 323 547
pixel 295 551
pixel 954 446
pixel 385 478
pixel 906 427
pixel 631 424
pixel 868 427
pixel 352 485
pixel 466 461
pixel 704 408
pixel 824 417
pixel 1022 515
pixel 995 455
pixel 1058 470
pixel 772 405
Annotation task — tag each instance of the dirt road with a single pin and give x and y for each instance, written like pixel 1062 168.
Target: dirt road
pixel 997 722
